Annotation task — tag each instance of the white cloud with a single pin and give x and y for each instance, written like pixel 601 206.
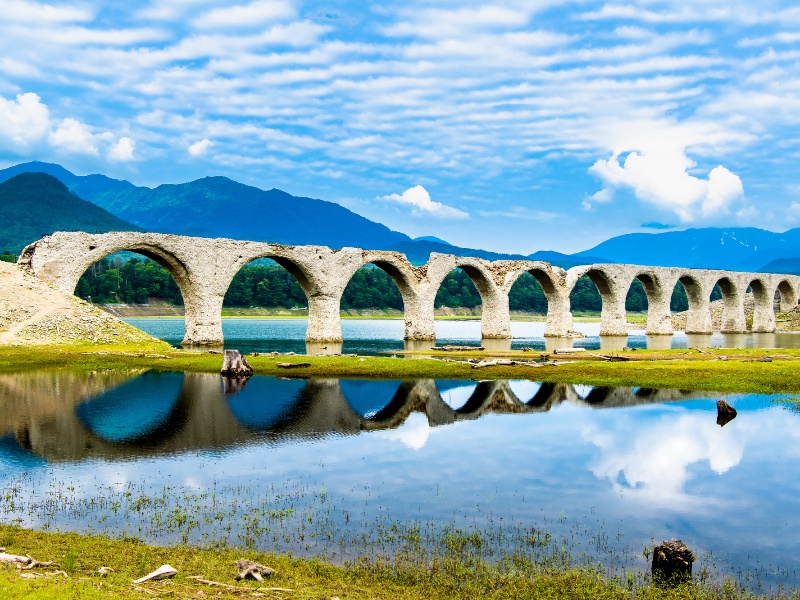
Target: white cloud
pixel 414 432
pixel 655 462
pixel 660 177
pixel 35 12
pixel 123 150
pixel 200 147
pixel 420 200
pixel 73 136
pixel 23 121
pixel 250 15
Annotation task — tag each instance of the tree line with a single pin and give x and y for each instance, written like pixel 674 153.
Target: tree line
pixel 137 280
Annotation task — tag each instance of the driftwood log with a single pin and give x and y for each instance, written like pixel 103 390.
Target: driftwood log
pixel 451 348
pixel 672 563
pixel 235 365
pixel 248 568
pixel 725 413
pixel 298 365
pixel 26 563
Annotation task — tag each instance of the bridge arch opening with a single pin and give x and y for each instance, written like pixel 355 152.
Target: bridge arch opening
pixel 605 293
pixel 785 297
pixel 733 315
pixel 689 305
pixel 531 293
pixel 585 298
pixel 138 280
pixel 462 292
pixel 377 286
pixel 266 285
pixel 637 300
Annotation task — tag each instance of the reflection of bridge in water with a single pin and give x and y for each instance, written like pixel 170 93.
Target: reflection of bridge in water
pixel 163 413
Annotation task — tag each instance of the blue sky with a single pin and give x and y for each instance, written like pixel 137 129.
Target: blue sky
pixel 514 126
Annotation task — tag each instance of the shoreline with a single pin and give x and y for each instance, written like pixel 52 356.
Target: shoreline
pixel 751 370
pixel 453 568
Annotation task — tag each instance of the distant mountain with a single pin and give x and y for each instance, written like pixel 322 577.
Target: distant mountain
pixel 221 207
pixel 782 265
pixel 418 252
pixel 33 205
pixel 430 238
pixel 738 248
pixel 566 261
pixel 84 186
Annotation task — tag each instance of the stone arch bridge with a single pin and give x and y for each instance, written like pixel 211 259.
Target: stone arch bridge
pixel 203 269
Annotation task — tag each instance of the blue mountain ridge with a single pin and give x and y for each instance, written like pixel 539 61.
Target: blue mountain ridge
pixel 734 248
pixel 221 207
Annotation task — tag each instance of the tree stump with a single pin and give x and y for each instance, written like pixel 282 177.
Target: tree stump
pixel 235 365
pixel 725 413
pixel 672 563
pixel 248 568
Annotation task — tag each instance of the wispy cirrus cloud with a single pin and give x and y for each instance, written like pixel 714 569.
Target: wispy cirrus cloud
pixel 498 104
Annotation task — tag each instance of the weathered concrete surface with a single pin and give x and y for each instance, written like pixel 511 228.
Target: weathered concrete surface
pixel 204 268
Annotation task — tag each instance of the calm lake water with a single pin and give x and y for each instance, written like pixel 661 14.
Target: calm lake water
pixel 369 336
pixel 346 468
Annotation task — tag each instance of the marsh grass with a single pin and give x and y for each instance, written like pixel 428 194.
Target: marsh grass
pixel 456 572
pixel 323 545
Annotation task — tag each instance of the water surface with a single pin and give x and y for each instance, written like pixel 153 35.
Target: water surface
pixel 370 336
pixel 325 466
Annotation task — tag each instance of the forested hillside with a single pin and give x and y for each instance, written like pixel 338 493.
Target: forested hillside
pixel 138 280
pixel 33 205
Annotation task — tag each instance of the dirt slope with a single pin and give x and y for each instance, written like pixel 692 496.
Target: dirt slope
pixel 33 312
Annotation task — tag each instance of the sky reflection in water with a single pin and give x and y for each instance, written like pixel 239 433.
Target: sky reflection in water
pixel 561 456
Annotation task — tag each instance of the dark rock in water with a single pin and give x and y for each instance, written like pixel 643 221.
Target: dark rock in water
pixel 725 413
pixel 235 365
pixel 672 563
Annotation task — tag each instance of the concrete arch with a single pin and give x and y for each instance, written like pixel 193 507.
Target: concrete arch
pixel 612 282
pixel 95 251
pixel 495 319
pixel 553 281
pixel 733 292
pixel 659 317
pixel 788 291
pixel 419 324
pixel 47 259
pixel 698 319
pixel 763 311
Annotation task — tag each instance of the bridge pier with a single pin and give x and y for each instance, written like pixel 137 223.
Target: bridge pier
pixel 495 317
pixel 203 318
pixel 559 316
pixel 418 316
pixel 613 319
pixel 763 314
pixel 733 318
pixel 324 322
pixel 659 296
pixel 698 319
